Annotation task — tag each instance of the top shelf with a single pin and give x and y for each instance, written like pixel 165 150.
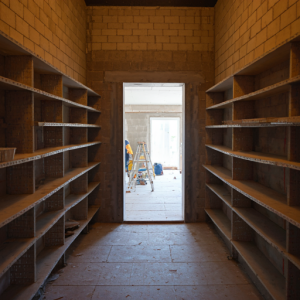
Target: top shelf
pixel 10 47
pixel 271 58
pixel 280 87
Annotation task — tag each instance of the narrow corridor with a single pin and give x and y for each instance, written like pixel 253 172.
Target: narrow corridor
pixel 171 261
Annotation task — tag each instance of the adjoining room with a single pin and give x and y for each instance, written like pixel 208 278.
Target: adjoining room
pixel 153 151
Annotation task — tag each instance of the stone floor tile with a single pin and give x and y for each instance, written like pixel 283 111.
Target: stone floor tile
pixel 68 292
pixel 140 253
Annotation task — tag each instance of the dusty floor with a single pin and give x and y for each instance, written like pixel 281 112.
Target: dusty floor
pixel 142 262
pixel 165 203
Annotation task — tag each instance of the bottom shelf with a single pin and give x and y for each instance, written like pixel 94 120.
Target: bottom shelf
pixel 46 262
pixel 262 268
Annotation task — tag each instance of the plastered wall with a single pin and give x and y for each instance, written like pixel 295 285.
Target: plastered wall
pixel 153 44
pixel 53 29
pixel 246 29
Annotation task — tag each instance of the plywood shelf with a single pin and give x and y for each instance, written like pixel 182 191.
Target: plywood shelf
pixel 47 220
pixel 12 206
pixel 277 88
pixel 257 157
pixel 8 84
pixel 42 153
pixel 46 262
pixel 256 123
pixel 261 64
pixel 12 47
pixel 221 192
pixel 263 269
pixel 271 232
pixel 264 196
pixel 49 124
pixel 12 249
pixel 220 220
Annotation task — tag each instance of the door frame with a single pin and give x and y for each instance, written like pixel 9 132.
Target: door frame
pixel 182 84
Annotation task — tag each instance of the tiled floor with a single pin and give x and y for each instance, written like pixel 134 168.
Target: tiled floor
pixel 142 262
pixel 164 204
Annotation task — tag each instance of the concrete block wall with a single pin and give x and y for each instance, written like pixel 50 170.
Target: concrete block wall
pixel 150 44
pixel 247 29
pixel 55 30
pixel 150 28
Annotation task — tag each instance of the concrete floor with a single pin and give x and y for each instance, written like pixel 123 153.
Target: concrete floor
pixel 164 204
pixel 142 262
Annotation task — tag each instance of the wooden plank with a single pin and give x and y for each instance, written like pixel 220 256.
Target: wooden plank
pixel 271 232
pixel 264 196
pixel 12 206
pixel 42 153
pixel 263 269
pixel 46 262
pixel 9 46
pixel 221 192
pixel 44 124
pixel 13 249
pixel 221 221
pixel 8 84
pixel 258 157
pixel 277 88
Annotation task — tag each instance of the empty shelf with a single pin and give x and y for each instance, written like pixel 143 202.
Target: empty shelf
pixel 221 192
pixel 8 84
pixel 12 206
pixel 258 157
pixel 277 88
pixel 12 249
pixel 262 268
pixel 271 232
pixel 46 262
pixel 221 221
pixel 26 157
pixel 264 196
pixel 49 124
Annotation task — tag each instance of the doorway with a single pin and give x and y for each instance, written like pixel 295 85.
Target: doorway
pixel 153 113
pixel 165 141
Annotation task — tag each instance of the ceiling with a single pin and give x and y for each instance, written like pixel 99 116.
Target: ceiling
pixel 153 94
pixel 178 3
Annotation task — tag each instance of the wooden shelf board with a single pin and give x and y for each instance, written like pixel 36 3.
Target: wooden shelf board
pixel 261 64
pixel 277 88
pixel 46 262
pixel 257 157
pixel 263 269
pixel 8 84
pixel 45 221
pixel 220 220
pixel 12 206
pixel 27 157
pixel 264 196
pixel 284 121
pixel 294 259
pixel 49 124
pixel 274 234
pixel 12 249
pixel 221 192
pixel 12 47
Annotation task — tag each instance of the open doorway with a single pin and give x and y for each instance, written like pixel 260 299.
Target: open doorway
pixel 153 128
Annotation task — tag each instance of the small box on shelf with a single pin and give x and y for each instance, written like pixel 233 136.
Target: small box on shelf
pixel 7 154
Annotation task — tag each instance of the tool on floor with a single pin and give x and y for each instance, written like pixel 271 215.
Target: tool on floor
pixel 142 156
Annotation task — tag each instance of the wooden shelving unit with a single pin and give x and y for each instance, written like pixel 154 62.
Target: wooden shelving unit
pixel 253 168
pixel 53 122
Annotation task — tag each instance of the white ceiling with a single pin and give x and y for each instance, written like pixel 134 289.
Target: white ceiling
pixel 153 94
